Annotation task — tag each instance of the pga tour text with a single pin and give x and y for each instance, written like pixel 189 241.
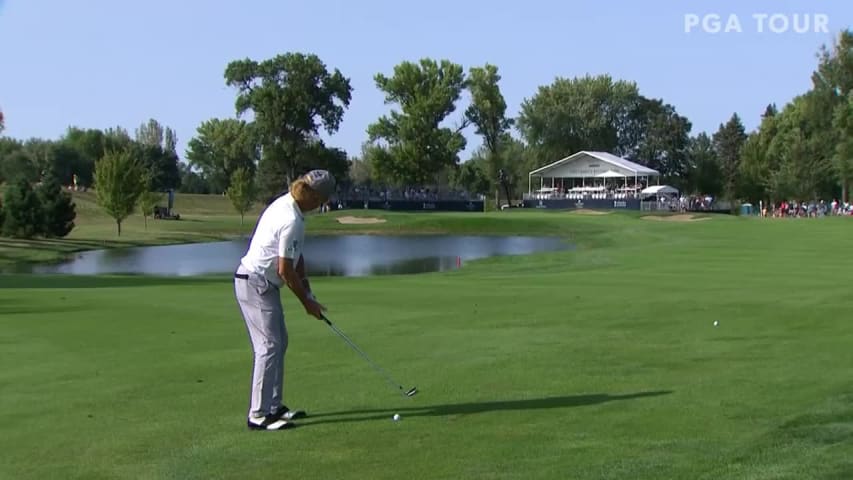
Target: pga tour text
pixel 777 23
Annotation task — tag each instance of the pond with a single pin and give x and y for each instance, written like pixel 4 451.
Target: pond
pixel 344 255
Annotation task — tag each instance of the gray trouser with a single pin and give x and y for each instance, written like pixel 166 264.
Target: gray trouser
pixel 260 304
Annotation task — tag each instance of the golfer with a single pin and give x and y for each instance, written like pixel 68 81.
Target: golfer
pixel 274 259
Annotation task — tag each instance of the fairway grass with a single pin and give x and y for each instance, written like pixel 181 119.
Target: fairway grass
pixel 597 363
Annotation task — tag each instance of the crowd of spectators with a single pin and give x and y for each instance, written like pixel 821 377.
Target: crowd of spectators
pixel 412 193
pixel 587 193
pixel 813 209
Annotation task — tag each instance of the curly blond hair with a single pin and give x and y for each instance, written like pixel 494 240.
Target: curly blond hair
pixel 302 192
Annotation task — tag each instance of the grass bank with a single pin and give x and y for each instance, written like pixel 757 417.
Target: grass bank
pixel 599 363
pixel 204 218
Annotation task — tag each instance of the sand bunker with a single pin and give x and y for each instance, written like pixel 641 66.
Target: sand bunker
pixel 583 211
pixel 360 220
pixel 675 218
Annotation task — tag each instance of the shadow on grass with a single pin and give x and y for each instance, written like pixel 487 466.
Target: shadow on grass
pixel 480 407
pixel 117 242
pixel 15 252
pixel 20 308
pixel 26 281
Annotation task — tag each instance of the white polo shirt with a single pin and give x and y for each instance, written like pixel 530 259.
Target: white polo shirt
pixel 280 233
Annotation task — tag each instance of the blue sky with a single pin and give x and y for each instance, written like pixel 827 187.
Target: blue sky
pixel 102 63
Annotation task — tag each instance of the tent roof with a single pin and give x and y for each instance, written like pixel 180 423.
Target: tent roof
pixel 610 174
pixel 609 158
pixel 654 190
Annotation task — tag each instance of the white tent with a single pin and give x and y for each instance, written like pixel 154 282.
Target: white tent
pixel 586 165
pixel 659 190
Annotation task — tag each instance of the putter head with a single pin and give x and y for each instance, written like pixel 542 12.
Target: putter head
pixel 412 391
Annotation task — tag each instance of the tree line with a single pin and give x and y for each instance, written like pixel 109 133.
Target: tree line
pixel 803 150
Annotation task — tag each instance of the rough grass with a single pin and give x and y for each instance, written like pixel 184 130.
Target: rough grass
pixel 598 363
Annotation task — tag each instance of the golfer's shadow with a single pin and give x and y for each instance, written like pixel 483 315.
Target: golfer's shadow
pixel 479 407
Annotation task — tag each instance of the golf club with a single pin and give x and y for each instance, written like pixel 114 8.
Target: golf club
pixel 408 393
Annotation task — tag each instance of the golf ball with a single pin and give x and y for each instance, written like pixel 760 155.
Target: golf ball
pixel 396 416
pixel 716 322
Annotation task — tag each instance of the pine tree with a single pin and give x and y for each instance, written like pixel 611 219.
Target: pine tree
pixel 58 210
pixel 23 213
pixel 728 144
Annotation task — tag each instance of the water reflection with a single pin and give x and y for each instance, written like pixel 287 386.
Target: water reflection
pixel 346 255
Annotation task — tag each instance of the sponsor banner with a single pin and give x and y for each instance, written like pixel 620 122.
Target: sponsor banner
pixel 563 204
pixel 419 205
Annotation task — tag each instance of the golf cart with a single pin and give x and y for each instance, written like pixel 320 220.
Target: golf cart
pixel 166 213
pixel 163 213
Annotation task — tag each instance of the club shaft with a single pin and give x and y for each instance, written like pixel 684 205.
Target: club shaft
pixel 364 355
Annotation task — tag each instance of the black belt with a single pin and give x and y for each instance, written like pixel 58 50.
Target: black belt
pixel 244 276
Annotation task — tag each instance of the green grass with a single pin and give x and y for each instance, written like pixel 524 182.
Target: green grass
pixel 598 363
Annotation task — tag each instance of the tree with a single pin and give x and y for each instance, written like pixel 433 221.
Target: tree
pixel 241 191
pixel 23 215
pixel 18 164
pixel 162 165
pixel 57 208
pixel 471 176
pixel 151 133
pixel 802 147
pixel 375 155
pixel 705 173
pixel 89 145
pixel 518 160
pixel 416 146
pixel 154 146
pixel 148 199
pixel 754 169
pixel 832 86
pixel 291 97
pixel 795 177
pixel 115 139
pixel 191 181
pixel 728 142
pixel 8 146
pixel 660 139
pixel 361 168
pixel 488 113
pixel 586 113
pixel 756 164
pixel 319 156
pixel 220 147
pixel 57 156
pixel 2 122
pixel 118 184
pixel 843 159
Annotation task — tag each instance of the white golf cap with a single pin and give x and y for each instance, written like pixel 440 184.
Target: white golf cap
pixel 321 181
